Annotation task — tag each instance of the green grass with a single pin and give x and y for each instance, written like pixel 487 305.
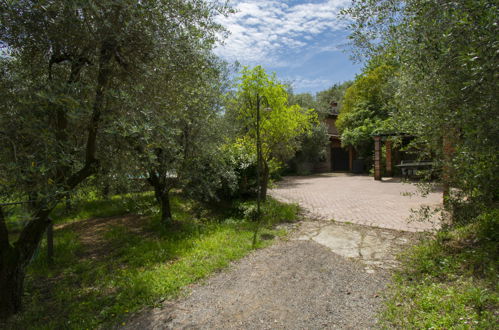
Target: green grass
pixel 94 207
pixel 141 264
pixel 86 206
pixel 450 282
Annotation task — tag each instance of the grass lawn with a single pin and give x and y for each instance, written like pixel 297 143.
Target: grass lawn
pixel 107 268
pixel 450 282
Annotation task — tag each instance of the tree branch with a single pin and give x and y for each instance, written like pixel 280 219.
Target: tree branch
pixel 90 168
pixel 76 67
pixel 107 52
pixel 91 163
pixel 55 59
pixel 32 235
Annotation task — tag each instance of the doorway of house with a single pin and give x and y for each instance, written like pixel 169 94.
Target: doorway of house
pixel 339 159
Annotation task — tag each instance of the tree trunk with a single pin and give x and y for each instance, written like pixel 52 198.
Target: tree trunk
pixel 161 192
pixel 265 181
pixel 14 260
pixel 11 283
pixel 166 213
pixel 50 243
pixel 106 190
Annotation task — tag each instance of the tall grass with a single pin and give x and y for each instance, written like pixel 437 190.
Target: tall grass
pixel 136 266
pixel 450 282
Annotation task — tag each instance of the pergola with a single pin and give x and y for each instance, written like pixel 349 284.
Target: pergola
pixel 391 156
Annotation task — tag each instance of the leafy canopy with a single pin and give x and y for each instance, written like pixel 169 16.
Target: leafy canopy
pixel 281 125
pixel 366 107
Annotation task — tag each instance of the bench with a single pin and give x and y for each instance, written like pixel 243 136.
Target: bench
pixel 409 168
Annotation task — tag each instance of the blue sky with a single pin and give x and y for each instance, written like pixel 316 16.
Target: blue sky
pixel 304 42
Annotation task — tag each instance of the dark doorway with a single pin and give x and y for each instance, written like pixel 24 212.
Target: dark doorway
pixel 339 159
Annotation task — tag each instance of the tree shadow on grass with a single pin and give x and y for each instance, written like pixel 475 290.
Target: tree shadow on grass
pixel 107 268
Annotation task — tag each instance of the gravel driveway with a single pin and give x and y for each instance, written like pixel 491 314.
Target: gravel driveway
pixel 291 285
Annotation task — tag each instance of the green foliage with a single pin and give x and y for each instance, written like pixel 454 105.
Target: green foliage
pixel 140 263
pixel 365 108
pixel 334 94
pixel 175 140
pixel 80 80
pixel 321 101
pixel 87 206
pixel 445 94
pixel 370 88
pixel 313 150
pixel 446 83
pixel 281 125
pixel 273 212
pixel 304 100
pixel 454 95
pixel 240 181
pixel 450 282
pixel 314 143
pixel 50 76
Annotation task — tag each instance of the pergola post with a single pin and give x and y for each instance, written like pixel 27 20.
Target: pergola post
pixel 377 158
pixel 389 162
pixel 350 158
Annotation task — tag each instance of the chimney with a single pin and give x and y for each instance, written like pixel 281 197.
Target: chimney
pixel 334 108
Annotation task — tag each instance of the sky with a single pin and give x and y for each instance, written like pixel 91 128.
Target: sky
pixel 304 42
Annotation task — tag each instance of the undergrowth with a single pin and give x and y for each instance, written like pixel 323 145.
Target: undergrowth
pixel 136 264
pixel 450 282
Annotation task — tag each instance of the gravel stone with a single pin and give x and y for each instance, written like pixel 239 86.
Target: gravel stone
pixel 291 285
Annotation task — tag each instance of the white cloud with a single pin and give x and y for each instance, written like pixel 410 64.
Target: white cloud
pixel 268 31
pixel 302 83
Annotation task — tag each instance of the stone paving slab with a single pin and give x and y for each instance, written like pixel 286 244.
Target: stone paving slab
pixel 375 248
pixel 359 199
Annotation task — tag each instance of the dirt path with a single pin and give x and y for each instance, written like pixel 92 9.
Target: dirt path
pixel 327 275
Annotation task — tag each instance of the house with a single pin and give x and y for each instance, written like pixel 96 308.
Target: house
pixel 338 159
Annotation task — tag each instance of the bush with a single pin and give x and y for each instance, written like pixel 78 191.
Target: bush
pixel 272 211
pixel 240 180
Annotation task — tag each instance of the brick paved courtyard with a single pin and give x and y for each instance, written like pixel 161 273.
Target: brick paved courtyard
pixel 358 199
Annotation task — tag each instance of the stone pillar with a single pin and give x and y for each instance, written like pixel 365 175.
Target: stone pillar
pixel 389 162
pixel 377 158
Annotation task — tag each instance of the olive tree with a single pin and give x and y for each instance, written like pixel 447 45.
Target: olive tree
pixel 64 67
pixel 175 144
